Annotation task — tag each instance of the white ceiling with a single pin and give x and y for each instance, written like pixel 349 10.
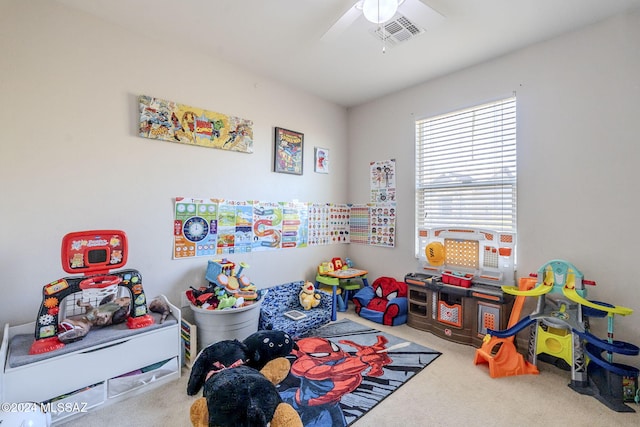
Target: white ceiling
pixel 281 39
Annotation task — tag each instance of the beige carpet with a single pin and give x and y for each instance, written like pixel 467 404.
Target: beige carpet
pixel 452 391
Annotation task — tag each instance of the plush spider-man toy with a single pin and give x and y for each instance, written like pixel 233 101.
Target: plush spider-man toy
pixel 385 301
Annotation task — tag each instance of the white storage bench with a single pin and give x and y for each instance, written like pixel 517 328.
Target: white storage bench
pixel 108 365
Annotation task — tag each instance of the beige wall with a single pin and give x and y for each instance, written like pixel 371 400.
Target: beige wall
pixel 578 100
pixel 71 160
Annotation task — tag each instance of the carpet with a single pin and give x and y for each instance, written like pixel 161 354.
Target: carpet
pixel 344 369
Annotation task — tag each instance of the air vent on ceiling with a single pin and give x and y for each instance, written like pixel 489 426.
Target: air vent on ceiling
pixel 396 31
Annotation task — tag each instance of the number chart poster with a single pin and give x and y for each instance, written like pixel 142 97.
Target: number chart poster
pixel 374 224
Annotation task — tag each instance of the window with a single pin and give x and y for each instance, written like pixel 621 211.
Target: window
pixel 466 168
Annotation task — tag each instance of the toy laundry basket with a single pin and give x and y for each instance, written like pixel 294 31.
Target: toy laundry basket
pixel 228 324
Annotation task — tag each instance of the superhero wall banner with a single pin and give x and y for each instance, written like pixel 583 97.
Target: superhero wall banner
pixel 170 121
pixel 206 227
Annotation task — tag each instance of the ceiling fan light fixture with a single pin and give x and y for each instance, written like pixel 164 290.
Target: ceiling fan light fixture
pixel 379 11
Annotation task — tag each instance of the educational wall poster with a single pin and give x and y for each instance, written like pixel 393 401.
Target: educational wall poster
pixel 234 226
pixel 267 226
pixel 295 225
pixel 383 181
pixel 173 122
pixel 319 224
pixel 209 227
pixel 374 224
pixel 339 218
pixel 359 224
pixel 195 227
pixel 382 218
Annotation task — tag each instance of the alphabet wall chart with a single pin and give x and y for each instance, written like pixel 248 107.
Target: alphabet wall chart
pixel 207 227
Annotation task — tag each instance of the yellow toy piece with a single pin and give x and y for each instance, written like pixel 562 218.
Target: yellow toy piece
pixel 543 288
pixel 573 295
pixel 308 296
pixel 435 254
pixel 325 267
pixel 539 290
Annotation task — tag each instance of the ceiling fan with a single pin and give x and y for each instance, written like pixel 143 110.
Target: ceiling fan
pixel 394 21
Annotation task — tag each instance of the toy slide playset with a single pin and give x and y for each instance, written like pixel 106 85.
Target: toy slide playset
pixel 91 299
pixel 560 329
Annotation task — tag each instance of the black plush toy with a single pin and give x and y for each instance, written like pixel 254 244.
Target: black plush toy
pixel 237 393
pixel 267 345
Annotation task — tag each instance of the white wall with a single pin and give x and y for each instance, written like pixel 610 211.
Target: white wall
pixel 71 160
pixel 578 100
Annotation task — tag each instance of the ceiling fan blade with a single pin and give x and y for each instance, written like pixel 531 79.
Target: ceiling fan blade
pixel 344 22
pixel 420 14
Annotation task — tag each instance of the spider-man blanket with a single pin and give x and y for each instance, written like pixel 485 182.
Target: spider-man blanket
pixel 344 369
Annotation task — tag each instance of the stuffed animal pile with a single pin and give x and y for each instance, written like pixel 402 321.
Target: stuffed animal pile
pixel 238 381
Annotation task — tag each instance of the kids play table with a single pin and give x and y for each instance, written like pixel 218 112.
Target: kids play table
pixel 344 279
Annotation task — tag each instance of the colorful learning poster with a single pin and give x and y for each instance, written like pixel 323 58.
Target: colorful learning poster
pixel 208 227
pixel 319 224
pixel 234 226
pixel 383 224
pixel 295 225
pixel 243 238
pixel 194 227
pixel 383 181
pixel 359 224
pixel 339 218
pixel 267 226
pixel 173 122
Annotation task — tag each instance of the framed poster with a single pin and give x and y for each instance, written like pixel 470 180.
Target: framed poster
pixel 288 150
pixel 321 160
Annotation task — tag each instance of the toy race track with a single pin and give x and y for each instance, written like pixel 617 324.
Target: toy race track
pixel 513 330
pixel 560 330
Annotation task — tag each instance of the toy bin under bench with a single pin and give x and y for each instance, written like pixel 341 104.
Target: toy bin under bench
pixel 108 365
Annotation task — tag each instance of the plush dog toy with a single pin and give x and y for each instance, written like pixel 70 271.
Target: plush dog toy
pixel 308 296
pixel 235 392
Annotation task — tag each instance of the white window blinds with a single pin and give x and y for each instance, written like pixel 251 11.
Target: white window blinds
pixel 466 168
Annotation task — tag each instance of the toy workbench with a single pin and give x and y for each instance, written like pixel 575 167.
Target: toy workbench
pixel 457 292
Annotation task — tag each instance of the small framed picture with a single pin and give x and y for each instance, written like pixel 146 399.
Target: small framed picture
pixel 321 160
pixel 288 151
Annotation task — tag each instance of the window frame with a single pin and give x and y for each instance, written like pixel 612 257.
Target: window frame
pixel 485 137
